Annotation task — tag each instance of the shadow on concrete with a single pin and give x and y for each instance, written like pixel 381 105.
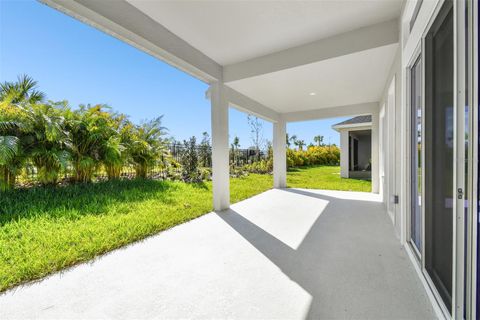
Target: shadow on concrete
pixel 349 262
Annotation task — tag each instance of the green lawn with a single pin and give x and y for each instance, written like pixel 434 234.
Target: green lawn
pixel 43 230
pixel 324 177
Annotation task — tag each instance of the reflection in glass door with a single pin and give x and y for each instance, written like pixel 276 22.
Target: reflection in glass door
pixel 439 152
pixel 416 156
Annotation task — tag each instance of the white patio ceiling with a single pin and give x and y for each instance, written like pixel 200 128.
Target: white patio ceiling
pixel 275 53
pixel 234 32
pixel 345 80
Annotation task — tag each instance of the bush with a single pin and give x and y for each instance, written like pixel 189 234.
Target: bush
pixel 262 166
pixel 189 161
pixel 314 155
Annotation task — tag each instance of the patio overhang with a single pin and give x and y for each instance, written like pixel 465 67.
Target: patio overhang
pixel 281 61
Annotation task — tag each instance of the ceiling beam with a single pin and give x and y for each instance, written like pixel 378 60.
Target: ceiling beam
pixel 362 39
pixel 248 105
pixel 332 112
pixel 125 22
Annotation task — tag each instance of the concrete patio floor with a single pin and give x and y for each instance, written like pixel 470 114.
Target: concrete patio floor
pixel 285 254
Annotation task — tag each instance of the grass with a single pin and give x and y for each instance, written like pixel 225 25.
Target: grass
pixel 43 230
pixel 324 177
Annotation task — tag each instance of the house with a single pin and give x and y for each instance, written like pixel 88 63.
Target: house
pixel 355 147
pixel 411 66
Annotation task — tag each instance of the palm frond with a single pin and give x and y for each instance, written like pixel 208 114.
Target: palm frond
pixel 8 149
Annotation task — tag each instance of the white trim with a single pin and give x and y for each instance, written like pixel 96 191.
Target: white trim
pixel 423 55
pixel 391 157
pixel 373 36
pixel 367 125
pixel 332 112
pixel 408 151
pixel 459 160
pixel 472 216
pixel 418 269
pixel 475 159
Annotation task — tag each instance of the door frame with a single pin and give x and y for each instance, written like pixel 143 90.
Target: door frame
pixel 472 214
pixel 409 114
pixel 457 294
pixel 390 163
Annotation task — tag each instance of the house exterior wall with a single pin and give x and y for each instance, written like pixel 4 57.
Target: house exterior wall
pixel 344 154
pixel 344 151
pixel 392 152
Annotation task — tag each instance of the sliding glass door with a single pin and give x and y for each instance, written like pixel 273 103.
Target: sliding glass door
pixel 439 152
pixel 443 220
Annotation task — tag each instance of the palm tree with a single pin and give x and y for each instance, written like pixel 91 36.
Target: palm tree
pixel 146 145
pixel 300 144
pixel 49 142
pixel 14 133
pixel 114 153
pixel 10 154
pixel 318 139
pixel 92 135
pixel 293 139
pixel 24 90
pixel 235 145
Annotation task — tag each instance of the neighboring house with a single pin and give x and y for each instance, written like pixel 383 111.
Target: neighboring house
pixel 355 147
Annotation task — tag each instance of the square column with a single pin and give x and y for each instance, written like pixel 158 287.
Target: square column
pixel 279 154
pixel 375 152
pixel 220 155
pixel 344 154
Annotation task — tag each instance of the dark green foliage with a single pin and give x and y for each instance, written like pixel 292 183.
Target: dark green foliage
pixel 189 160
pixel 205 151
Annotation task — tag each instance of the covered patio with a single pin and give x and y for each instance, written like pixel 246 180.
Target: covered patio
pixel 291 253
pixel 286 253
pixel 282 61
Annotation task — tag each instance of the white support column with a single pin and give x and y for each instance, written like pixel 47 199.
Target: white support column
pixel 279 154
pixel 220 156
pixel 344 152
pixel 375 152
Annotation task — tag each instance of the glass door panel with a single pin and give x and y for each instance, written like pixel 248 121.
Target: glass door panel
pixel 439 152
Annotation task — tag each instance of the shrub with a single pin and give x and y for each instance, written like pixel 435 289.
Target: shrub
pixel 189 161
pixel 314 155
pixel 262 166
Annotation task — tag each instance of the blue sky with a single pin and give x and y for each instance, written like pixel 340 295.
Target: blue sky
pixel 76 62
